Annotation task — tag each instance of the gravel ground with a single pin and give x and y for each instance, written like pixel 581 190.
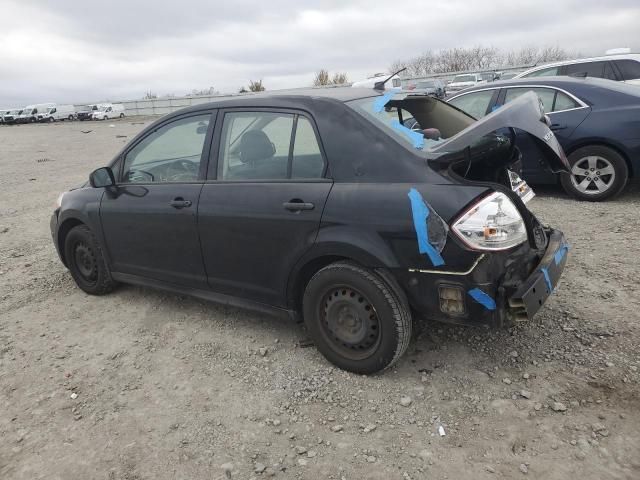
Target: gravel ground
pixel 141 384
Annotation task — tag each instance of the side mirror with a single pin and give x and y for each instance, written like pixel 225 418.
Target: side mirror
pixel 102 177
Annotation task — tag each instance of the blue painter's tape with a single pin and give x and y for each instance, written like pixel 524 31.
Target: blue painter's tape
pixel 482 298
pixel 416 138
pixel 420 215
pixel 562 251
pixel 547 280
pixel 380 102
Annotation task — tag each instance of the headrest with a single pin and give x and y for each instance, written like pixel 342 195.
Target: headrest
pixel 255 145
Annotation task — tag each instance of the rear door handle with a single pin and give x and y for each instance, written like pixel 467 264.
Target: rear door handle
pixel 296 205
pixel 180 202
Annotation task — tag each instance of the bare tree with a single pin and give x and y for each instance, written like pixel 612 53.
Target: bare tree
pixel 339 78
pixel 321 78
pixel 256 86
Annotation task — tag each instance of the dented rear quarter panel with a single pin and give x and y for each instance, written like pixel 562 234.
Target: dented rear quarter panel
pixel 377 218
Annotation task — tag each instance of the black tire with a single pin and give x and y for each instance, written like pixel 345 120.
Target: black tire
pixel 70 118
pixel 51 120
pixel 587 180
pixel 122 115
pixel 86 262
pixel 356 319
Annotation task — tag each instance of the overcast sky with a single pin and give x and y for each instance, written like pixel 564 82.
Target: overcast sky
pixel 81 51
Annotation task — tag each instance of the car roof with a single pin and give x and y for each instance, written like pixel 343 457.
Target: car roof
pixel 560 82
pixel 618 56
pixel 339 94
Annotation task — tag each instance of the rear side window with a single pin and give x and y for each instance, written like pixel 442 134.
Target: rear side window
pixel 564 102
pixel 545 94
pixel 629 69
pixel 268 146
pixel 545 72
pixel 475 104
pixel 591 69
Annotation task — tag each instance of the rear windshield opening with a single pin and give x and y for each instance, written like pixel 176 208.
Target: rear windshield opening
pixel 418 122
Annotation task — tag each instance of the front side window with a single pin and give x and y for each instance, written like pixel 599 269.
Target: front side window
pixel 629 69
pixel 268 146
pixel 475 104
pixel 545 72
pixel 172 153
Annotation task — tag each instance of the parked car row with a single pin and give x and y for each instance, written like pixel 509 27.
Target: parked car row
pixel 50 112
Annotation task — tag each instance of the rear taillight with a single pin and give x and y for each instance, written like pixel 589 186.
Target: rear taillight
pixel 493 223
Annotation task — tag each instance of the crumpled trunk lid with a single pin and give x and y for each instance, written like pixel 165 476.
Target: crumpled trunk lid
pixel 525 113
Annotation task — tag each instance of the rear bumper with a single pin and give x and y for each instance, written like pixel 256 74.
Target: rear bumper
pixel 497 289
pixel 535 290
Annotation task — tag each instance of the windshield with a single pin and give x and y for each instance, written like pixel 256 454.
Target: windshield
pixel 464 78
pixel 419 123
pixel 426 84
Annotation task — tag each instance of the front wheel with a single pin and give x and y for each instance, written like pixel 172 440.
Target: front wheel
pixel 597 173
pixel 86 261
pixel 356 319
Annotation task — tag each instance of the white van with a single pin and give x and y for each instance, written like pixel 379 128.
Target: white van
pixel 30 112
pixel 58 112
pixel 393 83
pixel 106 111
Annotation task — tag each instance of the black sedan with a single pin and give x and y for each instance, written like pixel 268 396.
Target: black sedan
pixel 596 121
pixel 320 205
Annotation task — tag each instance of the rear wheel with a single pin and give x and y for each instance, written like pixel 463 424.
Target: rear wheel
pixel 122 115
pixel 70 117
pixel 597 173
pixel 356 319
pixel 86 262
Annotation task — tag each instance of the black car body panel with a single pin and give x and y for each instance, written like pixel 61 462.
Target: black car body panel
pixel 238 242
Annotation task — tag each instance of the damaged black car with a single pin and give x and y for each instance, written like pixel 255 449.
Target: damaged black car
pixel 322 205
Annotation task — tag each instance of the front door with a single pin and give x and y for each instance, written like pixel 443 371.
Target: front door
pixel 150 220
pixel 262 208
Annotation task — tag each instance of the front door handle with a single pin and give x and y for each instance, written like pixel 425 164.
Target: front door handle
pixel 296 205
pixel 180 202
pixel 557 126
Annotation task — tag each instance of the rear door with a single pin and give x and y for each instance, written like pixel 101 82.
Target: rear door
pixel 565 112
pixel 260 210
pixel 149 221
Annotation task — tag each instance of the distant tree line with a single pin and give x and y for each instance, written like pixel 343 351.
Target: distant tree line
pixel 477 58
pixel 323 78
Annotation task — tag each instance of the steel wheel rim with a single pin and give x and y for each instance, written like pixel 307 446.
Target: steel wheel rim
pixel 85 262
pixel 349 322
pixel 592 175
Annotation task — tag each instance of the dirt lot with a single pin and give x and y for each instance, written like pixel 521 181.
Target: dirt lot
pixel 141 384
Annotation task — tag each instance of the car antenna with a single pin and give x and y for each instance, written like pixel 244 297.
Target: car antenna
pixel 380 85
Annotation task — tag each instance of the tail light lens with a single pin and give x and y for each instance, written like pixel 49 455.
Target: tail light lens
pixel 493 223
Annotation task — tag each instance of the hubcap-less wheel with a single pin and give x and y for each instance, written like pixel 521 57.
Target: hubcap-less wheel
pixel 85 262
pixel 593 175
pixel 350 322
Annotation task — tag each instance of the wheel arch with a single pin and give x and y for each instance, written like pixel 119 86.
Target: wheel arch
pixel 324 254
pixel 603 143
pixel 63 231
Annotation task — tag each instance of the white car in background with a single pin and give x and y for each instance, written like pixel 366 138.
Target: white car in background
pixel 621 67
pixel 107 111
pixel 58 112
pixel 393 83
pixel 465 80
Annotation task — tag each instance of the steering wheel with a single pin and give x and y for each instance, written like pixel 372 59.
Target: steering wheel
pixel 182 170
